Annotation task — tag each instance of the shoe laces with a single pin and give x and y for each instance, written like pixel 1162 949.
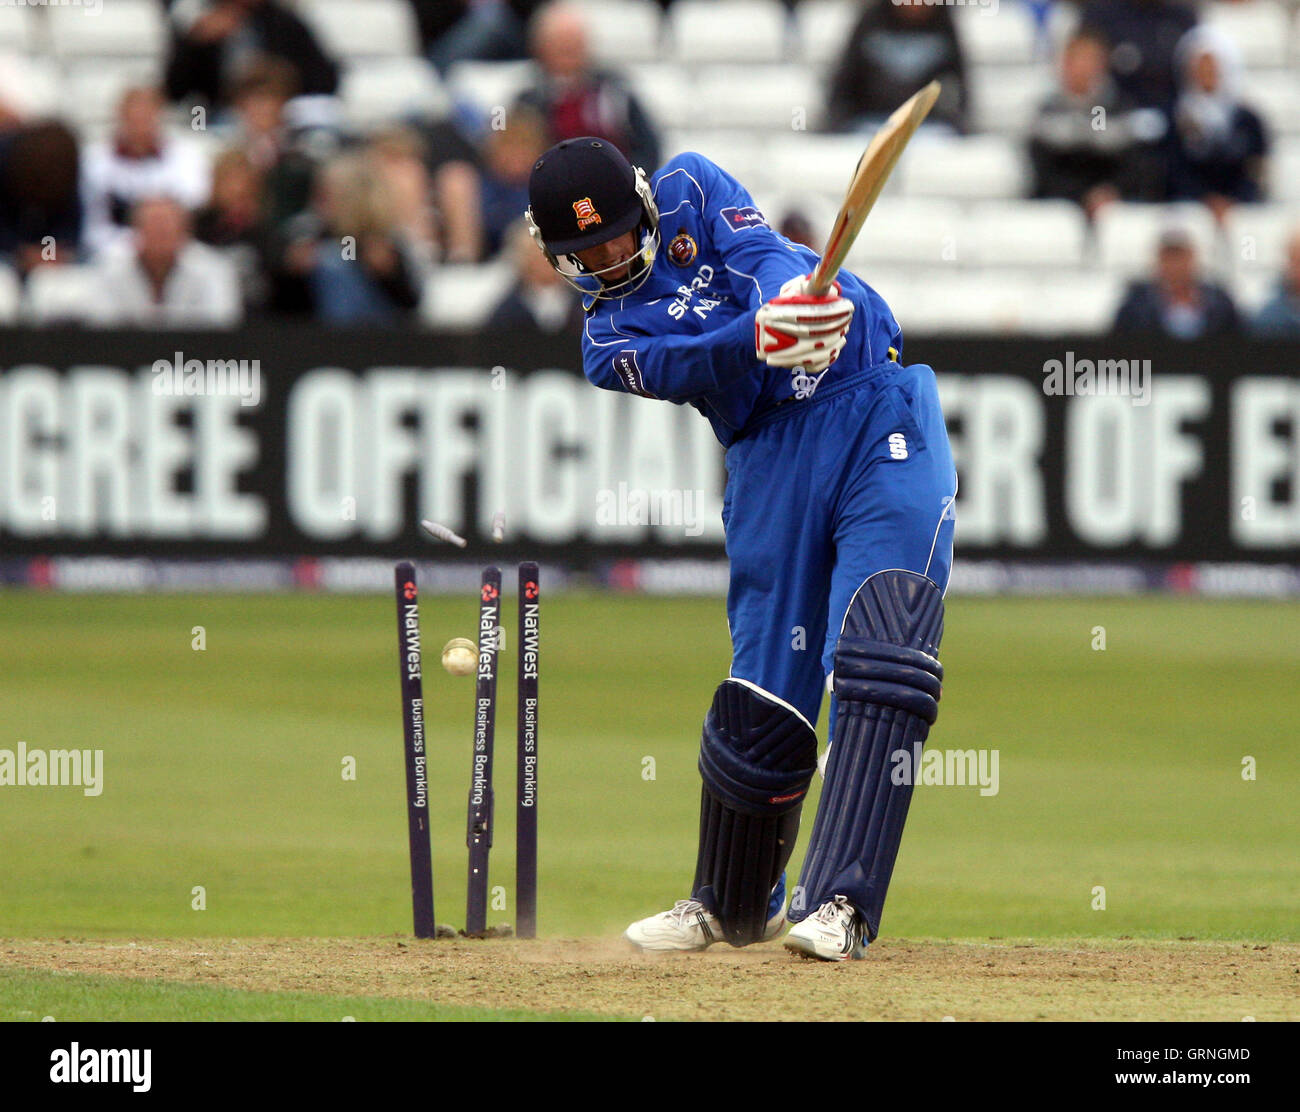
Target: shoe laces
pixel 831 910
pixel 684 908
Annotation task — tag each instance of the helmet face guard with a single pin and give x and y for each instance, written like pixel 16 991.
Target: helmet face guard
pixel 583 192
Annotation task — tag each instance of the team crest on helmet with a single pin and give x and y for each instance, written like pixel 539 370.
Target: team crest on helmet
pixel 586 213
pixel 682 250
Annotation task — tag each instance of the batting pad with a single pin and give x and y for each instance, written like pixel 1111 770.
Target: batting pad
pixel 757 758
pixel 887 682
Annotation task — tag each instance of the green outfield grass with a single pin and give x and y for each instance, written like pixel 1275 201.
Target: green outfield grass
pixel 1118 768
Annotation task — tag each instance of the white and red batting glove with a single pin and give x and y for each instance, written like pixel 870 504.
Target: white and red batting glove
pixel 796 329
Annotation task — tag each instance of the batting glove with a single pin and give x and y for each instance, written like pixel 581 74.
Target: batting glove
pixel 796 329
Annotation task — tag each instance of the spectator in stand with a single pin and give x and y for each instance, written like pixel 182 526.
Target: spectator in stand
pixel 214 40
pixel 398 156
pixel 139 160
pixel 1088 144
pixel 1218 145
pixel 578 99
pixel 361 268
pixel 892 51
pixel 540 298
pixel 797 228
pixel 508 157
pixel 473 30
pixel 1280 315
pixel 163 278
pixel 261 96
pixel 232 222
pixel 1177 302
pixel 1143 36
pixel 40 204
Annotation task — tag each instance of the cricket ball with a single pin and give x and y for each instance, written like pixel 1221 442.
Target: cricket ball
pixel 460 656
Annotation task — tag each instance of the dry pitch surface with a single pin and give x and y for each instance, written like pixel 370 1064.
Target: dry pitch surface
pixel 900 980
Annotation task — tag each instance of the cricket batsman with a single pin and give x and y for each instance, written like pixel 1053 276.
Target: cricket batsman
pixel 839 521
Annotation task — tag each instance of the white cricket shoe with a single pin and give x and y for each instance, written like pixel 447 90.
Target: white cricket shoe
pixel 687 925
pixel 833 932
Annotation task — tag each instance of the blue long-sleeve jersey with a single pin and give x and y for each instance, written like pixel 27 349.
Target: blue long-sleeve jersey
pixel 687 334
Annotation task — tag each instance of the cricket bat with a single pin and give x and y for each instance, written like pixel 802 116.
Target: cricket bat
pixel 868 180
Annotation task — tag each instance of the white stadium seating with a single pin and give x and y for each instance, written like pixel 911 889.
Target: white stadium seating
pixel 17 29
pixel 119 28
pixel 90 90
pixel 740 31
pixel 623 31
pixel 823 29
pixel 1256 235
pixel 905 231
pixel 972 166
pixel 1260 30
pixel 364 28
pixel 664 92
pixel 998 34
pixel 10 295
pixel 1029 233
pixel 952 244
pixel 61 294
pixel 765 98
pixel 458 298
pixel 1127 234
pixel 489 85
pixel 375 90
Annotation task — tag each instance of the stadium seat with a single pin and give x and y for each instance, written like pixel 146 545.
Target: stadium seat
pixel 1005 99
pixel 622 31
pixel 1275 95
pixel 10 295
pixel 489 85
pixel 1127 234
pixel 1001 35
pixel 29 85
pixel 462 297
pixel 90 91
pixel 1259 29
pixel 971 167
pixel 120 28
pixel 739 31
pixel 350 29
pixel 61 295
pixel 915 232
pixel 17 32
pixel 817 164
pixel 823 28
pixel 665 92
pixel 1251 289
pixel 1028 233
pixel 1001 303
pixel 1285 171
pixel 766 98
pixel 1256 236
pixel 377 90
pixel 1073 304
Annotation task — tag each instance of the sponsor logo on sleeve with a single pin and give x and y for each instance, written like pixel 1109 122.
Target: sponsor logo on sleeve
pixel 738 219
pixel 625 366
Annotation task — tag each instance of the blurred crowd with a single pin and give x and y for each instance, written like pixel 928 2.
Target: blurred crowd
pixel 294 214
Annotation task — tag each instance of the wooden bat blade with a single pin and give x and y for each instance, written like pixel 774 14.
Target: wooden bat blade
pixel 868 180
